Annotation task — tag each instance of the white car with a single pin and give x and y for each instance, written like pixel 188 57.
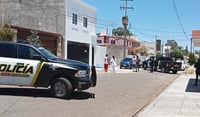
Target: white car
pixel 184 64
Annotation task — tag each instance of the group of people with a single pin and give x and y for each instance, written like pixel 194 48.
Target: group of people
pixel 112 62
pixel 136 63
pixel 109 61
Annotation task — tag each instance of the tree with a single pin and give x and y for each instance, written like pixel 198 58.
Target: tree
pixel 192 59
pixel 6 33
pixel 34 38
pixel 171 43
pixel 176 54
pixel 142 50
pixel 120 32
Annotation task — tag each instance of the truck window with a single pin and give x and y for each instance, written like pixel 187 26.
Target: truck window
pixel 7 50
pixel 26 52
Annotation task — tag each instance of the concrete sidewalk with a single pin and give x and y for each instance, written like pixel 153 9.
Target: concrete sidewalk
pixel 180 99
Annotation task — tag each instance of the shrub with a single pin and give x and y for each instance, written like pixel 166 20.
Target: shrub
pixel 6 33
pixel 192 59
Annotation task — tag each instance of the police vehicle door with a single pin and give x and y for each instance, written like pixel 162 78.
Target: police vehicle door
pixel 6 70
pixel 29 67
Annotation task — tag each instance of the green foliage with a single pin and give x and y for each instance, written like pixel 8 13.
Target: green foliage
pixel 192 59
pixel 6 34
pixel 120 32
pixel 158 54
pixel 176 54
pixel 34 38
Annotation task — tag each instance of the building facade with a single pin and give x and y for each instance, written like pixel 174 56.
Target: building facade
pixel 115 44
pixel 73 19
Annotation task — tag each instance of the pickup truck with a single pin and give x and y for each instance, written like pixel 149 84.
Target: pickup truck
pixel 28 65
pixel 166 64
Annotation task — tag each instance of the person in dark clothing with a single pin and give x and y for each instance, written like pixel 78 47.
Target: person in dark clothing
pixel 151 64
pixel 137 63
pixel 197 66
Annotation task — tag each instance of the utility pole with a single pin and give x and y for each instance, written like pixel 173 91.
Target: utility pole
pixel 191 46
pixel 125 23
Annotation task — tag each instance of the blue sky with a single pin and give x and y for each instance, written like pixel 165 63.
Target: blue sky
pixel 151 18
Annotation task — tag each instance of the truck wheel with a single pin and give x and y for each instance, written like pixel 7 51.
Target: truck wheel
pixel 163 70
pixel 144 67
pixel 174 71
pixel 61 88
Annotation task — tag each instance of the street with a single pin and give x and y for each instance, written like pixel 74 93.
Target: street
pixel 116 95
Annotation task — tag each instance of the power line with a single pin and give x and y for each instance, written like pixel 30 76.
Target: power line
pixel 179 19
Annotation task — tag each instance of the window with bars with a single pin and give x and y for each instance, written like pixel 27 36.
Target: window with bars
pixel 85 22
pixel 74 18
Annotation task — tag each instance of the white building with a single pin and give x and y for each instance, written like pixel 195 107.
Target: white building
pixel 80 28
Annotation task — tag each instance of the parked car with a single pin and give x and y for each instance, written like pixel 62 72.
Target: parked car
pixel 142 59
pixel 184 64
pixel 146 63
pixel 126 63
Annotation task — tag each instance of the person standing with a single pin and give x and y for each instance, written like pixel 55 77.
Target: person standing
pixel 106 61
pixel 197 66
pixel 134 59
pixel 137 63
pixel 152 62
pixel 113 63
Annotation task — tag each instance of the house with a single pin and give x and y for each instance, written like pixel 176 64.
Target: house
pixel 114 45
pixel 74 20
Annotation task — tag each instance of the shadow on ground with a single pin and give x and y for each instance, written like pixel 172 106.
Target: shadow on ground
pixel 34 92
pixel 191 87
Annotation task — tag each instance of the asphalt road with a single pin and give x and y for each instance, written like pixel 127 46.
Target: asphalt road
pixel 116 95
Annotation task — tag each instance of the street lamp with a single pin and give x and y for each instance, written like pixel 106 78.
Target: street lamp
pixel 125 24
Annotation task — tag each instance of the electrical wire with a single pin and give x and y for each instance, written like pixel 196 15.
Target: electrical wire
pixel 179 19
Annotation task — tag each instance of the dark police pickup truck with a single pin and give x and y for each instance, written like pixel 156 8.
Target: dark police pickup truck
pixel 163 64
pixel 27 65
pixel 166 64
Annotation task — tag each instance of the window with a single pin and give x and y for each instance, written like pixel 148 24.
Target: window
pixel 26 52
pixel 85 22
pixel 7 50
pixel 74 18
pixel 112 41
pixel 99 41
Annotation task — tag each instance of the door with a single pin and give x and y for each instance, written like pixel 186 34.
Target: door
pixel 7 68
pixel 27 67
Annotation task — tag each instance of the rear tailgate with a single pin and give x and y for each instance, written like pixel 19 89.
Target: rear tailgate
pixel 177 66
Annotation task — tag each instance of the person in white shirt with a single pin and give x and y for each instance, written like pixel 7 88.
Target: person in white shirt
pixel 113 63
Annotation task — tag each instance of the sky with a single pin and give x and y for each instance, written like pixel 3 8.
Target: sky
pixel 164 19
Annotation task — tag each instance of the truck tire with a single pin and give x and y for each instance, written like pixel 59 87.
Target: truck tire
pixel 94 76
pixel 163 70
pixel 61 88
pixel 144 66
pixel 174 71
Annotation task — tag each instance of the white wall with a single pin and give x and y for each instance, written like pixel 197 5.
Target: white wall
pixel 99 56
pixel 78 33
